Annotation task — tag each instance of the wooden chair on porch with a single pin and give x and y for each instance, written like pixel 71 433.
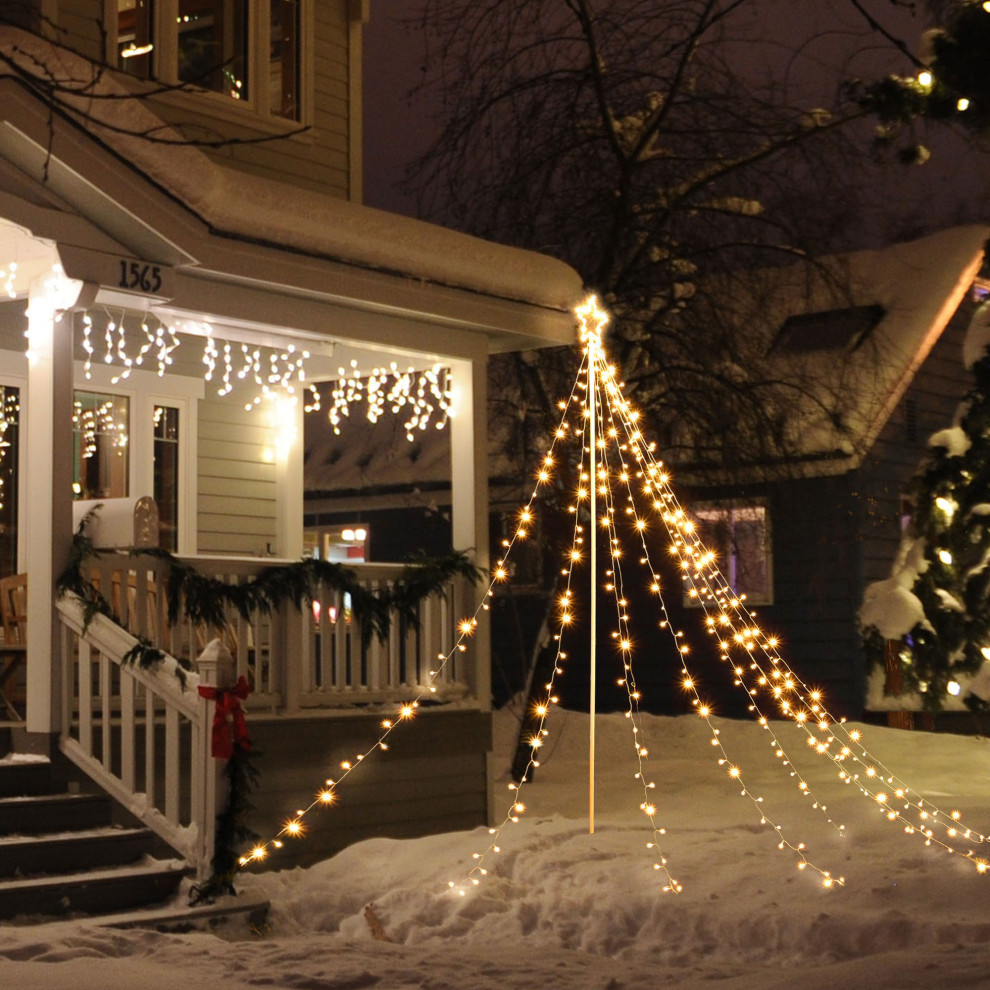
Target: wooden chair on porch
pixel 13 650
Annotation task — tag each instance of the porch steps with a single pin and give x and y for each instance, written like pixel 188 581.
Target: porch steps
pixel 60 852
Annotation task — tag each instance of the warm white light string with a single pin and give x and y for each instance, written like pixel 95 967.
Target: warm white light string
pixel 295 826
pixel 416 395
pixel 423 398
pixel 10 408
pixel 797 701
pixel 8 280
pixel 689 682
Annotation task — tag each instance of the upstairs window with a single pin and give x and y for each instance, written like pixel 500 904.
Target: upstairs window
pixel 213 46
pixel 134 38
pixel 283 59
pixel 248 52
pixel 829 330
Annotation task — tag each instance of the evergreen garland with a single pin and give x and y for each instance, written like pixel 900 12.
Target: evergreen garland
pixel 951 517
pixel 231 832
pixel 204 600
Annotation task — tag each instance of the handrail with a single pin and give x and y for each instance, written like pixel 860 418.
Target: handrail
pixel 298 659
pixel 142 734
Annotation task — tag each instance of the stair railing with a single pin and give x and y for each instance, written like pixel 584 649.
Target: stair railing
pixel 142 734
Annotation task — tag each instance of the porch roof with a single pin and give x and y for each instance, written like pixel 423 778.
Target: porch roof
pixel 247 249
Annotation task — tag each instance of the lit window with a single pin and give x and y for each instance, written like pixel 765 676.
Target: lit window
pixel 213 45
pixel 248 52
pixel 166 475
pixel 100 443
pixel 739 535
pixel 135 49
pixel 346 543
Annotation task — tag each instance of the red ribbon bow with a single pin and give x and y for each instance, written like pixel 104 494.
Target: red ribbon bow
pixel 229 725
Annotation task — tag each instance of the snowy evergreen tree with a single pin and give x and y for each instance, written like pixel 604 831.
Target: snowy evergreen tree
pixel 951 524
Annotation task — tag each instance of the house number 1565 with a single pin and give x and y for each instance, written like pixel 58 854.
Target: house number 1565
pixel 140 276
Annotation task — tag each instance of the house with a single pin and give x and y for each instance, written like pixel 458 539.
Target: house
pixel 182 248
pixel 869 345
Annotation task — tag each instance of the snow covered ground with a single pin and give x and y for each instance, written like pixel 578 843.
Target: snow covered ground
pixel 565 909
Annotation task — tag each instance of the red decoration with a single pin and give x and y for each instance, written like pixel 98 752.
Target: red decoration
pixel 229 725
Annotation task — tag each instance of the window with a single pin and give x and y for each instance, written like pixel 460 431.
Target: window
pixel 166 475
pixel 346 544
pixel 100 444
pixel 248 52
pixel 283 59
pixel 10 406
pixel 134 45
pixel 829 330
pixel 739 535
pixel 213 46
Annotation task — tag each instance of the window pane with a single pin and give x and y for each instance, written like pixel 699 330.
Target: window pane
pixel 283 63
pixel 100 440
pixel 751 554
pixel 213 45
pixel 10 406
pixel 166 469
pixel 740 538
pixel 134 44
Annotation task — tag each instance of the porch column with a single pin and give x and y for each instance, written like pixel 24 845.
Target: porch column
pixel 289 477
pixel 48 515
pixel 469 490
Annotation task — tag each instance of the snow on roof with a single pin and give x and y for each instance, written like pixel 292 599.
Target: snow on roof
pixel 243 205
pixel 846 394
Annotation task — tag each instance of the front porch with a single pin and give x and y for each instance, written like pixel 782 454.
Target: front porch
pixel 162 317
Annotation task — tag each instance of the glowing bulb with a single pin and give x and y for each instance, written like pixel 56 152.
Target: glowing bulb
pixel 925 78
pixel 945 557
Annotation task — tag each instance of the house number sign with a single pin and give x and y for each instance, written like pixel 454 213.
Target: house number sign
pixel 140 276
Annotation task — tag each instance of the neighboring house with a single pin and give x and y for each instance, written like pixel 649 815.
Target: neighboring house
pixel 871 343
pixel 162 302
pixel 867 347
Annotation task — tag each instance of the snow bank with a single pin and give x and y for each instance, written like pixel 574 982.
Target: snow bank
pixel 563 908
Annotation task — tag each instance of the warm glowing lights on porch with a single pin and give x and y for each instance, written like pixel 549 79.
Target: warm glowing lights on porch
pixel 127 342
pixel 422 397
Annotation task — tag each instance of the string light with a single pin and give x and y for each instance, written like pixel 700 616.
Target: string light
pixel 10 408
pixel 628 472
pixel 8 277
pixel 420 396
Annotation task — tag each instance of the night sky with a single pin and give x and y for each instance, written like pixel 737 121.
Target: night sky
pixel 953 187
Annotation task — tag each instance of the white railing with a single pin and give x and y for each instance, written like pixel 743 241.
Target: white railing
pixel 299 659
pixel 142 734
